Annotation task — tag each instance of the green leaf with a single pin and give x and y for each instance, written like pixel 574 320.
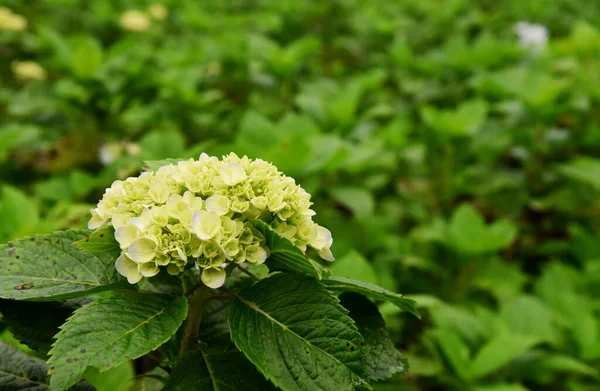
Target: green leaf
pixel 163 283
pixel 466 120
pixel 150 381
pixel 382 359
pixel 454 350
pixel 87 57
pixel 161 144
pixel 111 331
pixel 374 292
pixel 501 387
pixel 119 378
pixel 528 315
pixel 359 200
pixel 565 364
pixel 19 372
pixel 354 266
pixel 101 241
pixel 36 324
pixel 498 352
pixel 297 334
pixel 19 213
pixel 466 229
pixel 154 165
pixel 215 323
pixel 50 267
pixel 584 170
pixel 215 371
pixel 285 256
pixel 467 232
pixel 257 135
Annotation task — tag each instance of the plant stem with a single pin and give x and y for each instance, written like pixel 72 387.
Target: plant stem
pixel 195 309
pixel 248 272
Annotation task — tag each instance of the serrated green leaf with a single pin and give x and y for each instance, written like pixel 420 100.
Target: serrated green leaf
pixel 297 334
pixel 49 267
pixel 111 331
pixel 153 165
pixel 216 371
pixel 374 292
pixel 36 323
pixel 286 257
pixel 382 359
pixel 100 241
pixel 19 372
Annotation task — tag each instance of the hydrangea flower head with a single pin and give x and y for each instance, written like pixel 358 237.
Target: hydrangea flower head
pixel 199 212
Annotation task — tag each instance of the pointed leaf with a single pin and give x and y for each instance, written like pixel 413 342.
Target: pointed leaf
pixel 297 334
pixel 50 267
pixel 285 256
pixel 100 241
pixel 111 331
pixel 216 371
pixel 19 372
pixel 372 291
pixel 498 352
pixel 383 360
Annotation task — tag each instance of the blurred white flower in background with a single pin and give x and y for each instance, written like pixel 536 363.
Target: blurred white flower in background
pixel 532 36
pixel 132 149
pixel 158 11
pixel 109 152
pixel 112 151
pixel 134 20
pixel 10 21
pixel 28 70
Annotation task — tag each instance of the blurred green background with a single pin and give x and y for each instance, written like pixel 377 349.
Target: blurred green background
pixel 452 148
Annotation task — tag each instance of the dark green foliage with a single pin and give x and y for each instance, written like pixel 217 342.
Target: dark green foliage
pixel 214 371
pixel 35 324
pixel 450 162
pixel 382 359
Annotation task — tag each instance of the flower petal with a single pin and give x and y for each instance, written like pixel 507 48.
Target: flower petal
pixel 213 277
pixel 232 173
pixel 218 204
pixel 206 224
pixel 126 234
pixel 142 250
pixel 128 269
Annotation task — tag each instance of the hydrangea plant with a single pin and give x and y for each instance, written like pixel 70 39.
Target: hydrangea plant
pixel 212 267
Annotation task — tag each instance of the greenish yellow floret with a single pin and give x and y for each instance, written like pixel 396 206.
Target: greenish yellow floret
pixel 198 212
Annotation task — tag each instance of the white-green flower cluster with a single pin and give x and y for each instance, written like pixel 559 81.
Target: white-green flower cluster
pixel 199 212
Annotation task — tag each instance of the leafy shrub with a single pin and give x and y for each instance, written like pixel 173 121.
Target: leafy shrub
pixel 449 162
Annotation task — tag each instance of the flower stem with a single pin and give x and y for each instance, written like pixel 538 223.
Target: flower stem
pixel 248 272
pixel 195 309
